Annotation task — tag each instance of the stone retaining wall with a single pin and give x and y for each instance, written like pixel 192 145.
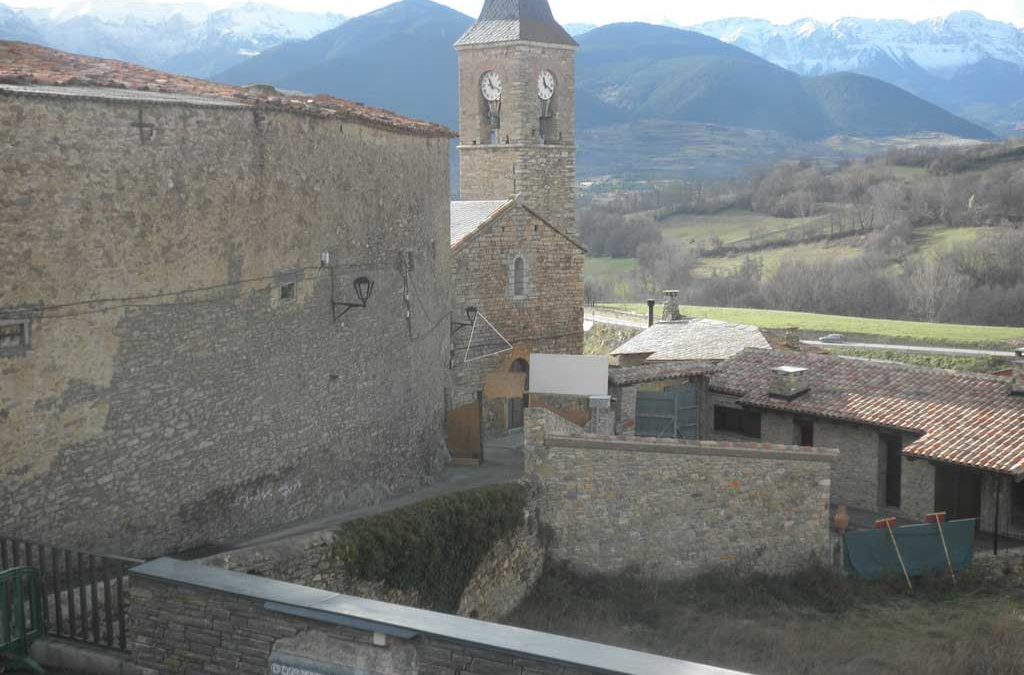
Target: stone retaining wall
pixel 674 508
pixel 190 618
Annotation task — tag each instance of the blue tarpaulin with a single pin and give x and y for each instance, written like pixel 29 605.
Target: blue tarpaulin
pixel 870 553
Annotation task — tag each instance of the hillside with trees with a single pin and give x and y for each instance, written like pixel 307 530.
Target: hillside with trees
pixel 925 234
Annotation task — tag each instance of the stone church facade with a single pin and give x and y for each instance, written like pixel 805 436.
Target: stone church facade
pixel 516 255
pixel 172 371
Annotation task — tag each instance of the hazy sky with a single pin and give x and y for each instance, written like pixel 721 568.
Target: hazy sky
pixel 681 11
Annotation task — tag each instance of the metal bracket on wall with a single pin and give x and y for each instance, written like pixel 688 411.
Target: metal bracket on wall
pixel 146 129
pixel 364 289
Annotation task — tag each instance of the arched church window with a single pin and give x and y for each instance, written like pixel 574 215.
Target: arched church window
pixel 519 277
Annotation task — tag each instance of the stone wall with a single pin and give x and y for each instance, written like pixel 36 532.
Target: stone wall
pixel 673 508
pixel 858 478
pixel 548 319
pixel 501 581
pixel 187 619
pixel 172 395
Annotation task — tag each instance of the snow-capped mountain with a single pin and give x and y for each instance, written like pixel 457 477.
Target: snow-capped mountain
pixel 811 47
pixel 16 25
pixel 965 62
pixel 190 38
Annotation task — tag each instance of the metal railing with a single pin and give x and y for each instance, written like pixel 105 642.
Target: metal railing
pixel 21 615
pixel 83 594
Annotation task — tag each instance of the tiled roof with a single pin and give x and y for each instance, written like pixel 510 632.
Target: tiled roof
pixel 467 217
pixel 965 419
pixel 514 20
pixel 38 70
pixel 694 340
pixel 657 372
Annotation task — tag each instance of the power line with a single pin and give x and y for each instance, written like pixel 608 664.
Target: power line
pixel 139 301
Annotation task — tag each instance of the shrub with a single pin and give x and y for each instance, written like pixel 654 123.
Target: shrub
pixel 432 548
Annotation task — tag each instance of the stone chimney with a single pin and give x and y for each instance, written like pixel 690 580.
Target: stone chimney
pixel 793 339
pixel 1017 387
pixel 671 311
pixel 789 382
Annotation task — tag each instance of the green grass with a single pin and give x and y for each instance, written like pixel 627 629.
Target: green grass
pixel 814 622
pixel 608 268
pixel 729 226
pixel 774 257
pixel 890 331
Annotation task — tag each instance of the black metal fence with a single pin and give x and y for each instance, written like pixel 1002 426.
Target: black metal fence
pixel 83 594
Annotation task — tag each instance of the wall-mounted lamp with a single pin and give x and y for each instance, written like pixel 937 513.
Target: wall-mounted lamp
pixel 364 289
pixel 471 313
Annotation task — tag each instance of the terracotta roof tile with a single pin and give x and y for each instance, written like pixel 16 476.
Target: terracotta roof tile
pixel 965 419
pixel 40 67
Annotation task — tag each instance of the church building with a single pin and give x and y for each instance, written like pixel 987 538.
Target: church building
pixel 518 265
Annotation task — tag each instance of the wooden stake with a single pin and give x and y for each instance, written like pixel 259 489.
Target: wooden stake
pixel 887 524
pixel 940 518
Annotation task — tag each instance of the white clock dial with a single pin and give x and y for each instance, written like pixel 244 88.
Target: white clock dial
pixel 490 85
pixel 546 85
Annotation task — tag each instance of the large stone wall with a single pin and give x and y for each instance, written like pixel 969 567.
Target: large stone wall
pixel 673 508
pixel 148 416
pixel 548 319
pixel 185 620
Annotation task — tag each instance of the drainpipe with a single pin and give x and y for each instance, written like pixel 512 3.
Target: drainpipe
pixel 650 313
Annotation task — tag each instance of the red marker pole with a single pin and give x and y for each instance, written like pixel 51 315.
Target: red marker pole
pixel 887 524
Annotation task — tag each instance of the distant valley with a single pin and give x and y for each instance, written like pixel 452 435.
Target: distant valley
pixel 654 102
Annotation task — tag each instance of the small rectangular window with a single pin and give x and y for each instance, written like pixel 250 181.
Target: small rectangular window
pixel 288 292
pixel 804 433
pixel 14 335
pixel 738 421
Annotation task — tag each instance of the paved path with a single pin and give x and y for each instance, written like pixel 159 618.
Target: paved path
pixel 944 351
pixel 610 317
pixel 503 463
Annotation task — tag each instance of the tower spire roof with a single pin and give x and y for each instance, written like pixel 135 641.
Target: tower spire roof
pixel 516 20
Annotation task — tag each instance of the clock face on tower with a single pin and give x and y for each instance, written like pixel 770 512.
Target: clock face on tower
pixel 545 85
pixel 490 85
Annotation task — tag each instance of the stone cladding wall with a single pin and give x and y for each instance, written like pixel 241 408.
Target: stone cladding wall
pixel 178 629
pixel 547 319
pixel 177 417
pixel 858 478
pixel 674 508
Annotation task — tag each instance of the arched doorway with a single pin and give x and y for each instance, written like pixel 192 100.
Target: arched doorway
pixel 517 406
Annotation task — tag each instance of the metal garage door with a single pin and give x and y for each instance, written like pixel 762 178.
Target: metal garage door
pixel 674 413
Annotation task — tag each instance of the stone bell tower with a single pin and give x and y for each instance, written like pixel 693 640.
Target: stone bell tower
pixel 517 113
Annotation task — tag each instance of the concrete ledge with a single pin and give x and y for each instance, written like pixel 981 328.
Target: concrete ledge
pixel 527 643
pixel 694 448
pixel 62 655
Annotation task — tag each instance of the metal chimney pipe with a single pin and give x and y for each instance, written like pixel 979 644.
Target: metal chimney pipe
pixel 650 312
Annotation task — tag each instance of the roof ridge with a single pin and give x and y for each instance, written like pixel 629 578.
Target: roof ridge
pixel 27 65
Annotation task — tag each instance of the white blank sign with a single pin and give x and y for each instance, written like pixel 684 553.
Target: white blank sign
pixel 568 375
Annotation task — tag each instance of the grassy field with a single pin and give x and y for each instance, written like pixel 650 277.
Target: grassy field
pixel 890 331
pixel 773 257
pixel 729 226
pixel 811 623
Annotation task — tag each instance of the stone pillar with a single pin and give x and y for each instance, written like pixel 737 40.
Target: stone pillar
pixel 671 311
pixel 627 405
pixel 1017 388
